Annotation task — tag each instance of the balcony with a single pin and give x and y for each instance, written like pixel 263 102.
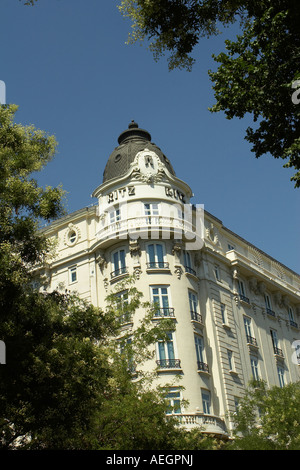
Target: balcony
pixel 202 367
pixel 119 272
pixel 252 342
pixel 293 324
pixel 144 227
pixel 245 299
pixel 189 270
pixel 158 265
pixel 208 423
pixel 270 312
pixel 278 352
pixel 168 363
pixel 164 312
pixel 196 317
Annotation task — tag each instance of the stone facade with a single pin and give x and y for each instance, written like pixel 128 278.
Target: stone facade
pixel 236 309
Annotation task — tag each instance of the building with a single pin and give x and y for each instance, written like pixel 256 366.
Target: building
pixel 236 309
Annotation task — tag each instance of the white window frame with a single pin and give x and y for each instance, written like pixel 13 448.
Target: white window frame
pixel 173 396
pixel 223 313
pixel 167 351
pixel 206 401
pixel 72 272
pixel 152 212
pixel 157 262
pixel 161 296
pixel 117 264
pixel 280 372
pixel 254 367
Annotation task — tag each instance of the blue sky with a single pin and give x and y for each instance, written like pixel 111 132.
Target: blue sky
pixel 66 64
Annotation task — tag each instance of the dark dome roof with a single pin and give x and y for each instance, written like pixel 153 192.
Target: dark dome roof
pixel 131 141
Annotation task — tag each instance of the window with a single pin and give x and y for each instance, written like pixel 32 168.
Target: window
pixel 193 300
pixel 122 306
pixel 166 354
pixel 242 291
pixel 160 297
pixel 205 401
pixel 248 331
pixel 174 399
pixel 230 359
pixel 188 263
pixel 269 305
pixel 275 343
pixel 118 261
pixel 72 236
pixel 115 216
pixel 201 365
pixel 72 274
pixel 156 256
pixel 230 247
pixel 126 352
pixel 292 318
pixel 223 314
pixel 152 212
pixel 254 367
pixel 217 272
pixel 280 372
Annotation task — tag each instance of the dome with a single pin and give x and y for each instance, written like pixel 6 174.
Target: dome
pixel 131 141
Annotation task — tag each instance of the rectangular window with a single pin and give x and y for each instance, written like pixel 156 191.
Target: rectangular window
pixel 72 274
pixel 160 297
pixel 122 307
pixel 248 329
pixel 217 272
pixel 223 314
pixel 205 401
pixel 201 365
pixel 118 260
pixel 193 301
pixel 230 247
pixel 254 367
pixel 151 211
pixel 156 256
pixel 242 291
pixel 230 359
pixel 174 398
pixel 275 343
pixel 188 263
pixel 280 372
pixel 115 216
pixel 166 353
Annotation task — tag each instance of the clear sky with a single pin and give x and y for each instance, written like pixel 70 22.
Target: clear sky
pixel 66 64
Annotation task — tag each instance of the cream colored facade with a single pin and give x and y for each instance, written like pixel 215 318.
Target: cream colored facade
pixel 236 310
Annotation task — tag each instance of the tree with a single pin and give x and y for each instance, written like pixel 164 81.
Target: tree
pixel 49 385
pixel 259 71
pixel 75 377
pixel 268 419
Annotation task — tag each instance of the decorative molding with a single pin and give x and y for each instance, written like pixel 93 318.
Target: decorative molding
pixel 178 271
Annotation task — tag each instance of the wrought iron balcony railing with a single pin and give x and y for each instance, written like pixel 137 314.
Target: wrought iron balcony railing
pixel 244 298
pixel 164 312
pixel 252 341
pixel 196 317
pixel 202 366
pixel 118 272
pixel 158 265
pixel 190 270
pixel 278 352
pixel 168 363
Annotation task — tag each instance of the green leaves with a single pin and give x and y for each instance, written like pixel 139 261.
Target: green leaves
pixel 255 76
pixel 268 419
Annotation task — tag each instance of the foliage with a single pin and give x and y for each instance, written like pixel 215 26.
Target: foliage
pixel 258 71
pixel 268 419
pixel 255 76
